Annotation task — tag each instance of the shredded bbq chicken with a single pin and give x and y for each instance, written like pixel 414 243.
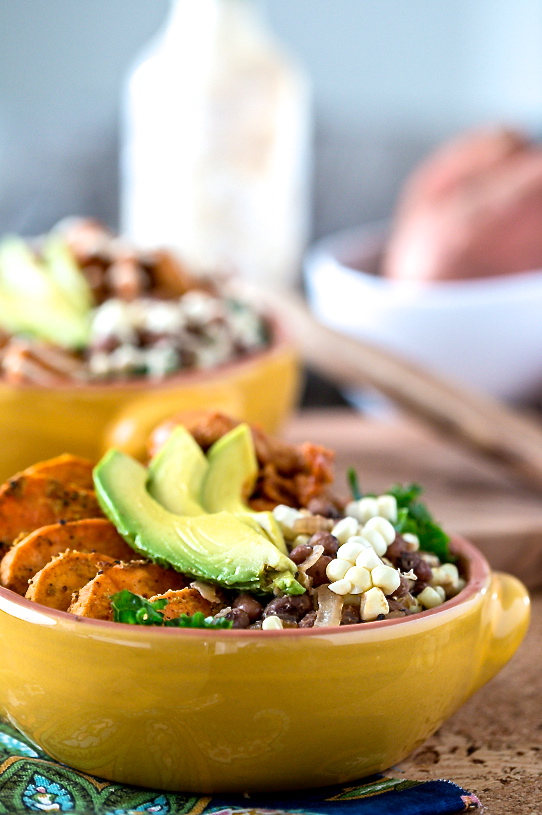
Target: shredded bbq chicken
pixel 288 474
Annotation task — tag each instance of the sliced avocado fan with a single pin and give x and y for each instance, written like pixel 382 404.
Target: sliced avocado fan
pixel 187 482
pixel 176 474
pixel 231 476
pixel 48 299
pixel 218 547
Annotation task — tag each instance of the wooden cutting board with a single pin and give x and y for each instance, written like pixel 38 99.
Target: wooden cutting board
pixel 466 494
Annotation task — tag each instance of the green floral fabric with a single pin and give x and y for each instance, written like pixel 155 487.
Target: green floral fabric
pixel 31 782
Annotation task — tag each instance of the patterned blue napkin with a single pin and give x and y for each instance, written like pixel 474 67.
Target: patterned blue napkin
pixel 32 782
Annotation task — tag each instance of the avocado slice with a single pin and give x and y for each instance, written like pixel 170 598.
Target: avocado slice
pixel 176 474
pixel 232 473
pixel 65 274
pixel 219 548
pixel 31 303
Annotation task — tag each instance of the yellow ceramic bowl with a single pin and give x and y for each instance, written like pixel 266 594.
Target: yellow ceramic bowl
pixel 209 711
pixel 39 423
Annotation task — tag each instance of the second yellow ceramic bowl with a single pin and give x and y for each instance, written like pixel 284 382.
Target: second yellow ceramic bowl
pixel 39 423
pixel 219 711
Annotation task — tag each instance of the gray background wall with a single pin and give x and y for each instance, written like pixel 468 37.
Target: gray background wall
pixel 391 78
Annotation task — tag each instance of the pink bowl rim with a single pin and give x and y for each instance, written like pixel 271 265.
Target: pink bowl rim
pixel 479 574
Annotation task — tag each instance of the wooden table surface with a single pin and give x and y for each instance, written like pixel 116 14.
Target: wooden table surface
pixel 493 745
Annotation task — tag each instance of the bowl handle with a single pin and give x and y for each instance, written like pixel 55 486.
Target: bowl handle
pixel 505 618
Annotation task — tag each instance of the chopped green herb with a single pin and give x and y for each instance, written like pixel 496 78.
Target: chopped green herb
pixel 414 517
pixel 131 608
pixel 198 620
pixel 353 483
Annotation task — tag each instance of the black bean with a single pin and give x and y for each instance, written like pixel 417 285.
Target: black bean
pixel 323 506
pixel 413 560
pixel 402 588
pixel 288 607
pixel 327 540
pixel 350 615
pixel 317 571
pixel 247 603
pixel 239 618
pixel 288 621
pixel 308 620
pixel 395 605
pixel 423 571
pixel 396 549
pixel 300 553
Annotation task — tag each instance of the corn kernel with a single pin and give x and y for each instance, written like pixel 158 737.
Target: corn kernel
pixel 341 587
pixel 373 603
pixel 337 568
pixel 352 548
pixel 286 517
pixel 368 559
pixel 431 559
pixel 440 590
pixel 415 607
pixel 386 578
pixel 451 573
pixel 451 569
pixel 387 507
pixel 272 623
pixel 360 579
pixel 429 597
pixel 345 528
pixel 383 527
pixel 376 540
pixel 367 508
pixel 352 509
pixel 412 540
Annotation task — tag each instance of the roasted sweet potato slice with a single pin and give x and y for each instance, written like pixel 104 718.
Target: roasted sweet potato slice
pixel 186 601
pixel 32 553
pixel 28 502
pixel 145 579
pixel 68 469
pixel 65 574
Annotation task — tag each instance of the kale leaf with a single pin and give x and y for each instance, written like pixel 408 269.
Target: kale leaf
pixel 414 517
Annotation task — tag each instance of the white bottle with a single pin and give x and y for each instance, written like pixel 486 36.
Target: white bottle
pixel 215 153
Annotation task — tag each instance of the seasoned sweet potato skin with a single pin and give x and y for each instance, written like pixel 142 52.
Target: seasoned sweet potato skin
pixel 66 468
pixel 28 502
pixel 185 601
pixel 32 553
pixel 64 575
pixel 139 577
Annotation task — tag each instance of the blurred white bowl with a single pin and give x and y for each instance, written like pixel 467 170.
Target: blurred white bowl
pixel 486 333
